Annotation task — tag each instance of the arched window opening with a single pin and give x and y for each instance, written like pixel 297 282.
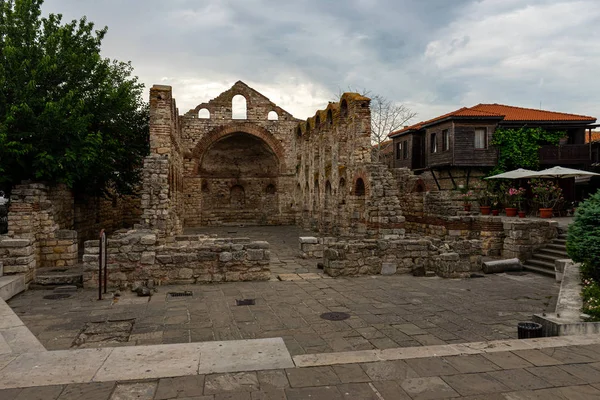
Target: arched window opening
pixel 270 189
pixel 273 116
pixel 307 126
pixel 205 188
pixel 298 131
pixel 327 194
pixel 344 108
pixel 318 121
pixel 329 117
pixel 204 113
pixel 238 107
pixel 359 187
pixel 237 196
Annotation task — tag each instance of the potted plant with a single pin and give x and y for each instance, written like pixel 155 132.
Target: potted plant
pixel 485 198
pixel 495 206
pixel 546 194
pixel 467 197
pixel 514 198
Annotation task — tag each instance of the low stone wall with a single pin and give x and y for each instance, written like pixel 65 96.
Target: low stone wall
pixel 141 256
pixel 18 256
pixel 523 237
pixel 397 256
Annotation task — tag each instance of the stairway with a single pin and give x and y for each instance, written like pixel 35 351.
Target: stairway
pixel 543 260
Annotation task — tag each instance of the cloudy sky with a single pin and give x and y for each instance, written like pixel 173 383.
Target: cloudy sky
pixel 432 55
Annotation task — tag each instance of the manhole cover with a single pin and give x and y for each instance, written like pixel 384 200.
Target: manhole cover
pixel 335 316
pixel 245 302
pixel 57 296
pixel 176 295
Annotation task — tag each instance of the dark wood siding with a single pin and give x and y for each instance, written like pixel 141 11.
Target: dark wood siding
pixel 441 157
pixel 465 153
pixel 399 160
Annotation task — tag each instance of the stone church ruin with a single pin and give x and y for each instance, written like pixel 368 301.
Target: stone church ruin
pixel 258 165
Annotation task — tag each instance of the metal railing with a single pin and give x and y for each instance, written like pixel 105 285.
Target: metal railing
pixel 565 153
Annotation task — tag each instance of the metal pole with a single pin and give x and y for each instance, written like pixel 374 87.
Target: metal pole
pixel 100 256
pixel 105 260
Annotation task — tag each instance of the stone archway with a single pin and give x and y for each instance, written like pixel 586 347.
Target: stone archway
pixel 242 171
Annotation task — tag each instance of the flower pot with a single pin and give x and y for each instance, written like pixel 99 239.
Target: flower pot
pixel 467 207
pixel 495 212
pixel 485 210
pixel 522 214
pixel 545 213
pixel 511 211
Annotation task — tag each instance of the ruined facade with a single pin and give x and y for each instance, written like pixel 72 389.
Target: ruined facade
pixel 215 166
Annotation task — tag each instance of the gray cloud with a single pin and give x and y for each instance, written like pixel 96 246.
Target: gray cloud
pixel 434 55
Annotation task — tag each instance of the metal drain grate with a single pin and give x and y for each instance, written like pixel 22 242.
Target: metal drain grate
pixel 245 302
pixel 335 316
pixel 57 296
pixel 174 295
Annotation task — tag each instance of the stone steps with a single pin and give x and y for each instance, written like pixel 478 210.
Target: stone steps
pixel 54 278
pixel 544 260
pixel 11 285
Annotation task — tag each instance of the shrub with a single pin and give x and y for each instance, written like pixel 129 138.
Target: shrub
pixel 583 242
pixel 591 299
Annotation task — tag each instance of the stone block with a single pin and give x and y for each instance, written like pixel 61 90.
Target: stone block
pixel 65 234
pixel 308 240
pixel 15 242
pixel 225 256
pixel 255 255
pixel 388 268
pixel 148 240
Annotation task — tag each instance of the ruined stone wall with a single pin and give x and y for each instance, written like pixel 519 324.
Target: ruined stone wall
pixel 523 237
pixel 238 169
pixel 339 191
pixel 400 256
pixel 141 255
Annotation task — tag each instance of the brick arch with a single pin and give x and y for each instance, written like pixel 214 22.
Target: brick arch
pixel 218 133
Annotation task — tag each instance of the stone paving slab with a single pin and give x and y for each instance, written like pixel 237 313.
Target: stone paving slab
pixel 414 378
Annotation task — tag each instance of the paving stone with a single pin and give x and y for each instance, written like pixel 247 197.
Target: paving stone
pixel 312 376
pixel 233 396
pixel 507 360
pixel 87 391
pixel 390 390
pixel 519 379
pixel 138 391
pixel 474 384
pixel 383 343
pixel 583 371
pixel 313 393
pixel 39 393
pixel 428 388
pixel 272 379
pixel 350 373
pixel 555 376
pixel 537 358
pixel 185 386
pixel 567 356
pixel 234 382
pixel 357 391
pixel 466 364
pixel 9 394
pixel 389 370
pixel 271 394
pixel 431 366
pixel 410 329
pixel 428 340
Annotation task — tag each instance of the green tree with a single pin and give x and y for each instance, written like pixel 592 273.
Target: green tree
pixel 583 240
pixel 518 147
pixel 67 115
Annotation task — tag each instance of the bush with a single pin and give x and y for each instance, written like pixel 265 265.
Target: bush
pixel 583 242
pixel 591 299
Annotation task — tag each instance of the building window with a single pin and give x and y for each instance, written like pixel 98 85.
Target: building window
pixel 481 138
pixel 405 149
pixel 433 143
pixel 446 140
pixel 399 151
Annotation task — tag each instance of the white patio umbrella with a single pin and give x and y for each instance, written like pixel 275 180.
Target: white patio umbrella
pixel 514 174
pixel 560 172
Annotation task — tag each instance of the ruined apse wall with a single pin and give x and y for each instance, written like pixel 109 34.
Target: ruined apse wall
pixel 238 169
pixel 339 190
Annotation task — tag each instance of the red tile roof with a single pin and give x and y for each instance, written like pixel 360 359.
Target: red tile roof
pixel 503 112
pixel 595 137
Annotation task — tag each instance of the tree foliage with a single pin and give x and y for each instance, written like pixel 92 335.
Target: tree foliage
pixel 67 115
pixel 519 147
pixel 583 240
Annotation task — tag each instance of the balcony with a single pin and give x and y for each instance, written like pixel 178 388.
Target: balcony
pixel 565 154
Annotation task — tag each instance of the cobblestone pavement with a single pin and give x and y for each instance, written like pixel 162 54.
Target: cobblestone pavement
pixel 552 373
pixel 385 312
